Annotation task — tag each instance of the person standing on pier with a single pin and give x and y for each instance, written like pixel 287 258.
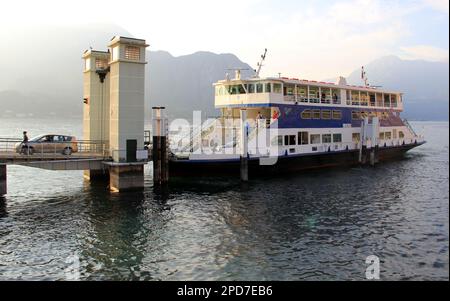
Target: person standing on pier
pixel 25 143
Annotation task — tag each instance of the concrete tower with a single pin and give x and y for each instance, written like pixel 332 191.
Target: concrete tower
pixel 127 87
pixel 96 96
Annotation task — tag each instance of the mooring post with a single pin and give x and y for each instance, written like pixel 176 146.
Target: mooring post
pixel 244 145
pixel 160 154
pixel 374 134
pixel 3 177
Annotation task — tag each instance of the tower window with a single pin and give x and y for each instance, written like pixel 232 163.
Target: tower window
pixel 132 53
pixel 100 64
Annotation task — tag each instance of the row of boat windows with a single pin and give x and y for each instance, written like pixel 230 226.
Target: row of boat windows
pixel 303 138
pixel 337 114
pixel 322 114
pixel 250 88
pixel 358 115
pixel 312 94
pixel 356 137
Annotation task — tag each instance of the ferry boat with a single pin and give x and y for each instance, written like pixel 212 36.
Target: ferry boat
pixel 302 125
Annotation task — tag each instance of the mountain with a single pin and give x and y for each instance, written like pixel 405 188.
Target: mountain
pixel 183 84
pixel 425 84
pixel 42 73
pixel 42 67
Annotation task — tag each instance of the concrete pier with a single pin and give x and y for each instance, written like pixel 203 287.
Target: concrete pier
pixel 3 177
pixel 96 175
pixel 126 176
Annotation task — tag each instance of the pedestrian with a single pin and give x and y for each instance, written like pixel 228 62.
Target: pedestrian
pixel 25 142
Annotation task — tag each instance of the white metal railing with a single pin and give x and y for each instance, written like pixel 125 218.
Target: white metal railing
pixel 50 149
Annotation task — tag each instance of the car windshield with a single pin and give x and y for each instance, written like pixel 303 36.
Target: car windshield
pixel 36 138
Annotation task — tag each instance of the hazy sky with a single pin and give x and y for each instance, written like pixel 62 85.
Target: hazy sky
pixel 313 39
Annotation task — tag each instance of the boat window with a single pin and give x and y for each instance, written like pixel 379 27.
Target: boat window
pixel 315 138
pixel 306 114
pixel 289 90
pixel 289 140
pixel 387 101
pixel 356 115
pixel 355 98
pixel 381 136
pixel 316 114
pixel 314 95
pixel 336 96
pixel 303 138
pixel 276 141
pixel 302 93
pixel 326 138
pixel 326 114
pixel 251 88
pixel 325 97
pixel 372 99
pixel 356 137
pixel 232 90
pixel 268 87
pixel 259 88
pixel 276 88
pixel 393 100
pixel 401 135
pixel 337 115
pixel 387 135
pixel 364 99
pixel 337 138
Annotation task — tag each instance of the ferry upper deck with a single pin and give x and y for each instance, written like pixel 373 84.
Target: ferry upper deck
pixel 284 91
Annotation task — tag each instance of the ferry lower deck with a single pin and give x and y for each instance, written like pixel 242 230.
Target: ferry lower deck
pixel 285 164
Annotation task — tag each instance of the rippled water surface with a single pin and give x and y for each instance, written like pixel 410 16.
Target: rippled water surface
pixel 315 226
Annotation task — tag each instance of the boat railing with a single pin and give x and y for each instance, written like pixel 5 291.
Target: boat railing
pixel 410 128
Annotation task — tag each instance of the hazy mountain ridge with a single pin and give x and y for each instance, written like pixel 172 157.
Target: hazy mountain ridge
pixel 425 84
pixel 42 76
pixel 45 76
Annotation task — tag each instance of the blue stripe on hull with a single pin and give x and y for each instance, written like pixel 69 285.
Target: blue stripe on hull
pixel 290 116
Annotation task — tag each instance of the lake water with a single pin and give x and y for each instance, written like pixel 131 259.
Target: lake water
pixel 315 226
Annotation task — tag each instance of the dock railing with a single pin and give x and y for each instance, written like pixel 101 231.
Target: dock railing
pixel 13 147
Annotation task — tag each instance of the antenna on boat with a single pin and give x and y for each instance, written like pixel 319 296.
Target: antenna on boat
pixel 364 77
pixel 366 80
pixel 260 64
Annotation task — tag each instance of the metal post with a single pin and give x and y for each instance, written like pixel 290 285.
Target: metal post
pixel 3 177
pixel 160 154
pixel 244 145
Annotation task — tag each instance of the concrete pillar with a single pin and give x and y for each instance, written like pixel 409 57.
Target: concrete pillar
pixel 126 177
pixel 244 145
pixel 160 154
pixel 3 182
pixel 127 89
pixel 97 175
pixel 96 108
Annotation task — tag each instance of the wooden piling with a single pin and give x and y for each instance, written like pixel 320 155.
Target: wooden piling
pixel 160 153
pixel 244 146
pixel 3 180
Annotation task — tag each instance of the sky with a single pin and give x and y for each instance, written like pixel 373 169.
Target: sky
pixel 313 39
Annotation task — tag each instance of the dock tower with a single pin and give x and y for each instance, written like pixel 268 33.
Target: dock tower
pixel 114 96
